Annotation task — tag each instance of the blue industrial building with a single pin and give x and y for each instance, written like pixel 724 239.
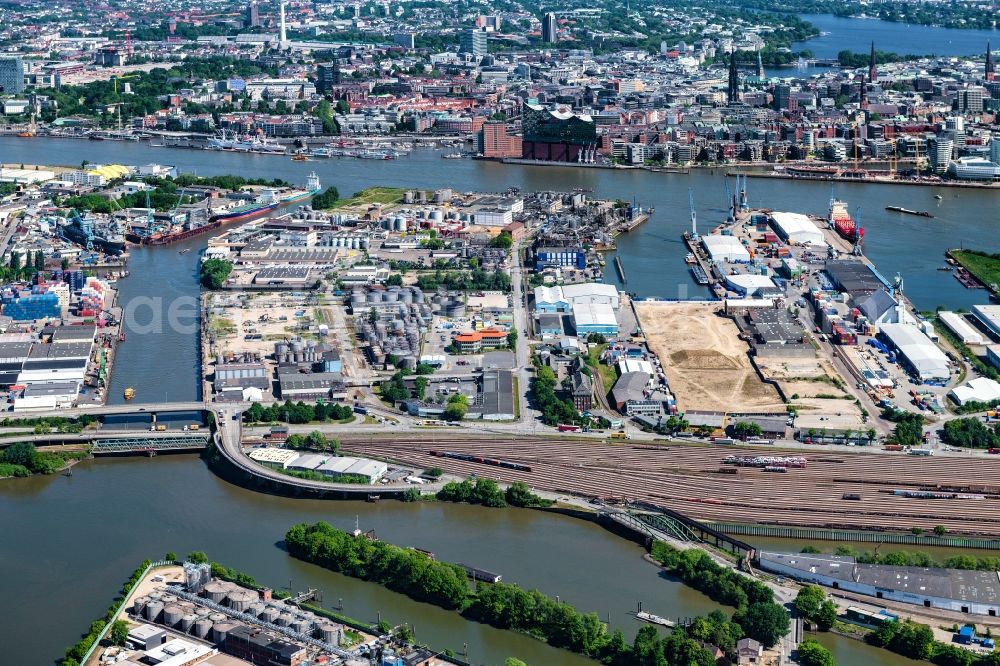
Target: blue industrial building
pixel 571 257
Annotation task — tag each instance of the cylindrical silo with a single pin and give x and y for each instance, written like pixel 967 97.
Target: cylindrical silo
pixel 302 625
pixel 187 622
pixel 330 633
pixel 391 296
pixel 256 608
pixel 217 617
pixel 216 591
pixel 154 610
pixel 168 599
pixel 220 629
pixel 172 614
pixel 285 620
pixel 240 599
pixel 138 605
pixel 202 627
pixel 269 614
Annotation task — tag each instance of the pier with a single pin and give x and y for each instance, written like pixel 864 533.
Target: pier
pixel 620 269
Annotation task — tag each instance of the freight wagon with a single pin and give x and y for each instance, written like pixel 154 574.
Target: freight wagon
pixel 481 460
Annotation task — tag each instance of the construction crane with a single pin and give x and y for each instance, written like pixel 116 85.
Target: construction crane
pixel 694 216
pixel 730 201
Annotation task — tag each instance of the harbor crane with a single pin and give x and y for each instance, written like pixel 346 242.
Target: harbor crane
pixel 694 216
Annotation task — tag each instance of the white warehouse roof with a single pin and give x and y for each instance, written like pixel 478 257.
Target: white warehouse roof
pixel 748 283
pixel 591 291
pixel 725 248
pixel 927 360
pixel 956 324
pixel 980 389
pixel 798 228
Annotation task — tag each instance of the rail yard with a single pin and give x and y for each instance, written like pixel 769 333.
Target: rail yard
pixel 688 479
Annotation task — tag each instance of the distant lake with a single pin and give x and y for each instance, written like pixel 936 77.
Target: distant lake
pixel 857 35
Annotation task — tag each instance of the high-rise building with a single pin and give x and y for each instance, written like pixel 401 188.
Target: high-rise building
pixel 990 73
pixel 283 39
pixel 550 28
pixel 970 100
pixel 954 127
pixel 11 75
pixel 872 67
pixel 327 76
pixel 782 96
pixel 733 89
pixel 941 151
pixel 473 41
pixel 405 39
pixel 995 149
pixel 253 15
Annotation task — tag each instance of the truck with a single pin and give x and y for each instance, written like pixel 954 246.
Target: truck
pixel 562 427
pixel 620 435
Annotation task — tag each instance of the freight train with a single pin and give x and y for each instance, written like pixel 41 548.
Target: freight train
pixel 481 460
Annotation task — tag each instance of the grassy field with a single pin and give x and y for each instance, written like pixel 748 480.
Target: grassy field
pixel 373 195
pixel 986 268
pixel 607 372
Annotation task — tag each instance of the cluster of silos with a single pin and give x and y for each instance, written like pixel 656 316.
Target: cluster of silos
pixel 397 223
pixel 235 357
pixel 196 576
pixel 297 351
pixel 349 241
pixel 401 319
pixel 412 197
pixel 451 305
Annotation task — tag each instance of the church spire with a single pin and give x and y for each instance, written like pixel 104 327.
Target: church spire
pixel 872 68
pixel 733 90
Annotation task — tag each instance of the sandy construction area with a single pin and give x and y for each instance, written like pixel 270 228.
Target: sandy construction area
pixel 705 361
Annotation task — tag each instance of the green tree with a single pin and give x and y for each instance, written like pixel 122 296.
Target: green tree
pixel 809 600
pixel 197 557
pixel 811 653
pixel 326 199
pixel 940 530
pixel 519 494
pixel 745 430
pixel 764 621
pixel 502 240
pixel 19 453
pixel 394 280
pixel 826 616
pixel 171 556
pixel 420 387
pixel 214 272
pixel 119 633
pixel 511 661
pixel 512 339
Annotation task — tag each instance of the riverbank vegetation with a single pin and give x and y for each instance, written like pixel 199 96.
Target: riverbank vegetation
pixel 756 612
pixel 22 459
pixel 984 266
pixel 486 492
pixel 215 272
pixel 504 605
pixel 371 195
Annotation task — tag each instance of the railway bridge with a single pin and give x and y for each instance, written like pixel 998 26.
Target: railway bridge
pixel 653 520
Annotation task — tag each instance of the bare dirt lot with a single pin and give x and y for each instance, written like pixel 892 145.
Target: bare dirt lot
pixel 705 361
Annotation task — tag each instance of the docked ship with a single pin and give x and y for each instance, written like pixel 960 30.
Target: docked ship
pixel 263 205
pixel 843 223
pixel 313 187
pixel 90 232
pixel 230 141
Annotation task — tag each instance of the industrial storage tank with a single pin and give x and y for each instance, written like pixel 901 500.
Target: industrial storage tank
pixel 437 217
pixel 217 617
pixel 168 599
pixel 256 609
pixel 374 296
pixel 153 611
pixel 391 296
pixel 187 622
pixel 172 614
pixel 138 605
pixel 202 627
pixel 330 633
pixel 240 599
pixel 269 614
pixel 302 625
pixel 455 310
pixel 285 620
pixel 221 629
pixel 216 591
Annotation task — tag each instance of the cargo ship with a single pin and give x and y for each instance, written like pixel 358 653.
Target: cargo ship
pixel 89 232
pixel 313 187
pixel 843 223
pixel 263 205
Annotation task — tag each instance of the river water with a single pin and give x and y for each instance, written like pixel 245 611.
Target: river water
pixel 77 538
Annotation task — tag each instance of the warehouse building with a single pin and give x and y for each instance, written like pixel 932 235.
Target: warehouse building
pixel 955 590
pixel 595 318
pixel 313 386
pixel 562 257
pixel 273 458
pixel 962 329
pixel 853 277
pixel 797 228
pixel 752 285
pixel 368 471
pixel 725 249
pixel 629 389
pixel 989 316
pixel 921 356
pixel 591 292
pixel 496 399
pixel 980 389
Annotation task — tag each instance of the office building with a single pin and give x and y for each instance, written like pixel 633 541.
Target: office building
pixel 473 41
pixel 253 15
pixel 405 39
pixel 11 75
pixel 327 76
pixel 941 150
pixel 550 28
pixel 970 100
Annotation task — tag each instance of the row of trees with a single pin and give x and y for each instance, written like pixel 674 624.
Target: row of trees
pixel 756 612
pixel 970 433
pixel 314 441
pixel 905 558
pixel 297 412
pixel 812 604
pixel 476 279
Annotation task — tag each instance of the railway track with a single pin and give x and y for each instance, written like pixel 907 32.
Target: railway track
pixel 686 478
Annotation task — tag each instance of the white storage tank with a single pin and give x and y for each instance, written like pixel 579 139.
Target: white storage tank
pixel 172 614
pixel 154 610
